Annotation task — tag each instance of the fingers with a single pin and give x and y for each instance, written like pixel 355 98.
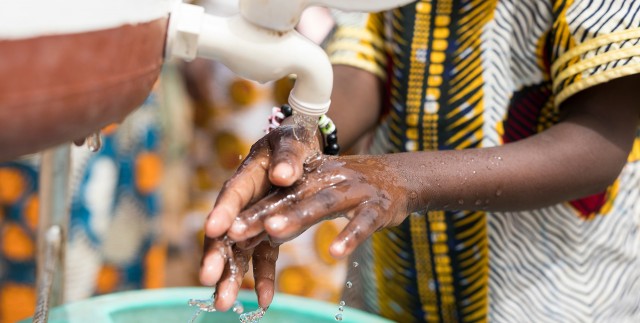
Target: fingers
pixel 264 272
pixel 249 183
pixel 309 200
pixel 288 157
pixel 213 261
pixel 365 222
pixel 293 220
pixel 251 243
pixel 281 167
pixel 229 285
pixel 248 224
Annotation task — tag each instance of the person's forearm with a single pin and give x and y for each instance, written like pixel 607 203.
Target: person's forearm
pixel 355 103
pixel 504 178
pixel 578 157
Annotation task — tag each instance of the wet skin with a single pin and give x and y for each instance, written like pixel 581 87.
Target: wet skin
pixel 275 195
pixel 259 172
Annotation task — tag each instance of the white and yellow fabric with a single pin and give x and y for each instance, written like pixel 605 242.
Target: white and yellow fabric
pixel 464 74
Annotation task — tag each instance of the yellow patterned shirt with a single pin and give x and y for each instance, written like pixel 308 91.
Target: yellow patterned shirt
pixel 467 74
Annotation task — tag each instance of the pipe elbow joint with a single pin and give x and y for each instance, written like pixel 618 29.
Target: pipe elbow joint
pixel 255 53
pixel 311 94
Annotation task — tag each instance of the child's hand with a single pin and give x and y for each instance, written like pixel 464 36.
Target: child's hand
pixel 225 264
pixel 275 160
pixel 365 189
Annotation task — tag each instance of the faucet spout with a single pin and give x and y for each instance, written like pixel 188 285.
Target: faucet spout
pixel 256 53
pixel 265 55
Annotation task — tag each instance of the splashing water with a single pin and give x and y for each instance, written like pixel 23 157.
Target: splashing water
pixel 202 305
pixel 207 305
pixel 195 316
pixel 307 125
pixel 253 317
pixel 342 304
pixel 238 308
pixel 227 254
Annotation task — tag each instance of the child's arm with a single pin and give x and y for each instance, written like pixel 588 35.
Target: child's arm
pixel 579 156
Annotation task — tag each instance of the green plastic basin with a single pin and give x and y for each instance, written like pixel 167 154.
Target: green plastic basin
pixel 170 305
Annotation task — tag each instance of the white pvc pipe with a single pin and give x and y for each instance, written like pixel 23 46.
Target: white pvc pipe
pixel 361 5
pixel 260 44
pixel 283 15
pixel 265 55
pixel 223 8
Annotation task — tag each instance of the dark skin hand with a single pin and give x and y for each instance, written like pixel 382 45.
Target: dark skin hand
pixel 579 156
pixel 277 160
pixel 232 263
pixel 258 168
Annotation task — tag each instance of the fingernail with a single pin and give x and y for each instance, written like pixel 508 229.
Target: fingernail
pixel 338 248
pixel 283 170
pixel 212 222
pixel 214 213
pixel 212 265
pixel 276 223
pixel 238 227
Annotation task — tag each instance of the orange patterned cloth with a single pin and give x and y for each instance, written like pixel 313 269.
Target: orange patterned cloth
pixel 112 242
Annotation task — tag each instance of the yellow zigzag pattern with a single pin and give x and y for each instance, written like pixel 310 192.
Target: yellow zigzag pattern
pixel 466 91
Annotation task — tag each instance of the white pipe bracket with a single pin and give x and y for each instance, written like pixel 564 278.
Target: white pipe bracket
pixel 183 33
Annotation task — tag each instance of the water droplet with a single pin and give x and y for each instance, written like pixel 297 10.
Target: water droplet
pixel 498 192
pixel 499 158
pixel 252 317
pixel 349 284
pixel 195 316
pixel 460 201
pixel 355 264
pixel 341 308
pixel 94 142
pixel 201 305
pixel 240 157
pixel 413 195
pixel 339 317
pixel 342 303
pixel 238 308
pixel 473 172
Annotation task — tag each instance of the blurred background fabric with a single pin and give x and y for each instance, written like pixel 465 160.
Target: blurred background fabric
pixel 138 204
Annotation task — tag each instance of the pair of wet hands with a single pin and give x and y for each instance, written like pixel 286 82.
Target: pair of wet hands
pixel 282 188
